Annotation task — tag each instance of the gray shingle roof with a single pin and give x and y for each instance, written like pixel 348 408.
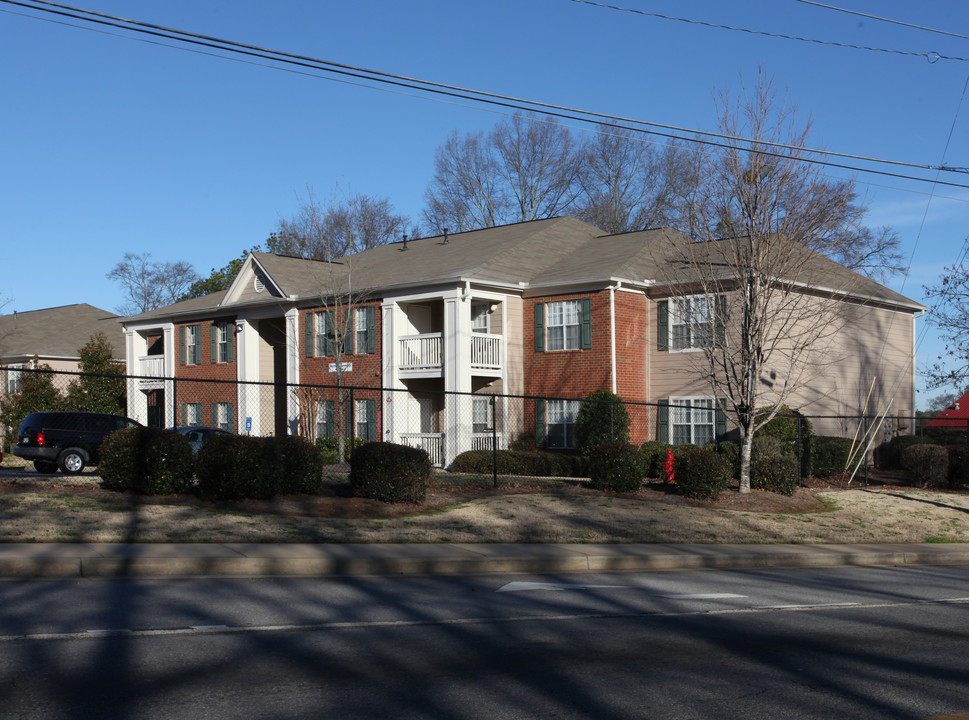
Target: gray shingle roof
pixel 57 332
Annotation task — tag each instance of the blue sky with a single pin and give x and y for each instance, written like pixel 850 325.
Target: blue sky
pixel 113 145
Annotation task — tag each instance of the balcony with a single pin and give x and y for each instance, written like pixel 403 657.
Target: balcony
pixel 423 355
pixel 431 443
pixel 149 368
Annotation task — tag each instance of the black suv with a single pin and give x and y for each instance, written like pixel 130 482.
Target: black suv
pixel 65 440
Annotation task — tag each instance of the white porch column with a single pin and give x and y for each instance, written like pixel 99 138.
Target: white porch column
pixel 458 420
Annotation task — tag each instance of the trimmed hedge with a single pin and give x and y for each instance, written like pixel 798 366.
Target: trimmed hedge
pixel 146 460
pixel 775 473
pixel 616 467
pixel 830 455
pixel 784 427
pixel 390 472
pixel 602 418
pixel 330 448
pixel 701 474
pixel 237 467
pixel 298 465
pixel 652 453
pixel 532 463
pixel 958 465
pixel 926 465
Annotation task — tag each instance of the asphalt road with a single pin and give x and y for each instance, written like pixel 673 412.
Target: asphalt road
pixel 845 642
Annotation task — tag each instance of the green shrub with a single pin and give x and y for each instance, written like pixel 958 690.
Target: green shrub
pixel 532 463
pixel 926 465
pixel 330 448
pixel 776 473
pixel 236 467
pixel 652 454
pixel 830 455
pixel 298 465
pixel 616 467
pixel 785 427
pixel 891 459
pixel 701 474
pixel 602 418
pixel 730 451
pixel 390 473
pixel 770 445
pixel 146 460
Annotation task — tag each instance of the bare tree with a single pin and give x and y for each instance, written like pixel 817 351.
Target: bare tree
pixel 755 278
pixel 628 184
pixel 526 168
pixel 950 314
pixel 148 284
pixel 342 227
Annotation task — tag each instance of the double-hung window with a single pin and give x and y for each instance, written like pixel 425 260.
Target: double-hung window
pixel 193 413
pixel 481 415
pixel 12 383
pixel 323 332
pixel 564 328
pixel 560 418
pixel 222 342
pixel 691 322
pixel 692 420
pixel 361 329
pixel 222 416
pixel 190 341
pixel 479 318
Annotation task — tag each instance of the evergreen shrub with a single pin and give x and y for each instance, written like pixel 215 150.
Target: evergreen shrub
pixel 784 427
pixel 616 467
pixel 730 451
pixel 390 472
pixel 958 465
pixel 531 463
pixel 926 465
pixel 701 474
pixel 830 455
pixel 775 473
pixel 330 448
pixel 147 461
pixel 602 418
pixel 236 467
pixel 298 465
pixel 652 453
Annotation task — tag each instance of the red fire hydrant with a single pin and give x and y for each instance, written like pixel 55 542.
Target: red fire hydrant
pixel 668 474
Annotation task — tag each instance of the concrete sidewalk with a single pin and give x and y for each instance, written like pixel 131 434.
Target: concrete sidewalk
pixel 65 560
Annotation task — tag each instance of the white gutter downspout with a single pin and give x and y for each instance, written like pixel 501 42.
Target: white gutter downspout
pixel 612 333
pixel 914 373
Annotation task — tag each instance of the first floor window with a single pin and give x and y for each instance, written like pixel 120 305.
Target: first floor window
pixel 481 411
pixel 223 416
pixel 692 420
pixel 365 419
pixel 325 426
pixel 193 413
pixel 560 422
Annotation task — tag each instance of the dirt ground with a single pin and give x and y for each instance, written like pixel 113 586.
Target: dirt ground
pixel 62 509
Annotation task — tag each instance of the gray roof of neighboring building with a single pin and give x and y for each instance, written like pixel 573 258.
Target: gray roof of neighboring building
pixel 57 332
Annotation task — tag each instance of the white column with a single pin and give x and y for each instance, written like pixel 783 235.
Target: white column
pixel 457 374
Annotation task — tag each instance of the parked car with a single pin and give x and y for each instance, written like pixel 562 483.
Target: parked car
pixel 66 440
pixel 198 435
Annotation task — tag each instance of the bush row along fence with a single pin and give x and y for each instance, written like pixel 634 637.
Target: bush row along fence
pixel 444 424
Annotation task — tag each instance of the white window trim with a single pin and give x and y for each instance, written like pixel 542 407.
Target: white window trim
pixel 674 312
pixel 360 327
pixel 675 405
pixel 222 342
pixel 193 346
pixel 577 304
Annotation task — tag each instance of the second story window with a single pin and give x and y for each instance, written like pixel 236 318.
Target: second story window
pixel 362 329
pixel 479 318
pixel 323 333
pixel 690 323
pixel 222 351
pixel 190 344
pixel 563 325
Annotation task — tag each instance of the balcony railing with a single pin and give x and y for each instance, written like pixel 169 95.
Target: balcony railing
pixel 152 366
pixel 431 443
pixel 485 351
pixel 421 352
pixel 485 441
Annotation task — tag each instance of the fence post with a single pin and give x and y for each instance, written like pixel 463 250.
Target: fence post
pixel 174 403
pixel 351 430
pixel 800 453
pixel 494 443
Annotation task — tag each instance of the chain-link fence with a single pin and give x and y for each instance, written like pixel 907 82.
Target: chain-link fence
pixel 444 424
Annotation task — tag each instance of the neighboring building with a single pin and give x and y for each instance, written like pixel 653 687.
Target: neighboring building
pixel 549 310
pixel 52 337
pixel 956 416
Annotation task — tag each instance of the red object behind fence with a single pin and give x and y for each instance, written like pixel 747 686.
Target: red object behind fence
pixel 668 474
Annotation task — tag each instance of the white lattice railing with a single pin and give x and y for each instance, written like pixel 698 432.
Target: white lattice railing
pixel 431 443
pixel 152 366
pixel 421 352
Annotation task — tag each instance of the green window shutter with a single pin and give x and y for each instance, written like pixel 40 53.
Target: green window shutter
pixel 721 419
pixel 328 329
pixel 181 345
pixel 215 415
pixel 663 325
pixel 371 420
pixel 214 343
pixel 230 341
pixel 184 414
pixel 351 330
pixel 232 417
pixel 586 305
pixel 330 415
pixel 308 336
pixel 540 423
pixel 197 347
pixel 663 421
pixel 539 327
pixel 372 329
pixel 721 317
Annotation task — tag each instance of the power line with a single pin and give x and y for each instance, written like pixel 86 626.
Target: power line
pixel 884 19
pixel 930 56
pixel 479 96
